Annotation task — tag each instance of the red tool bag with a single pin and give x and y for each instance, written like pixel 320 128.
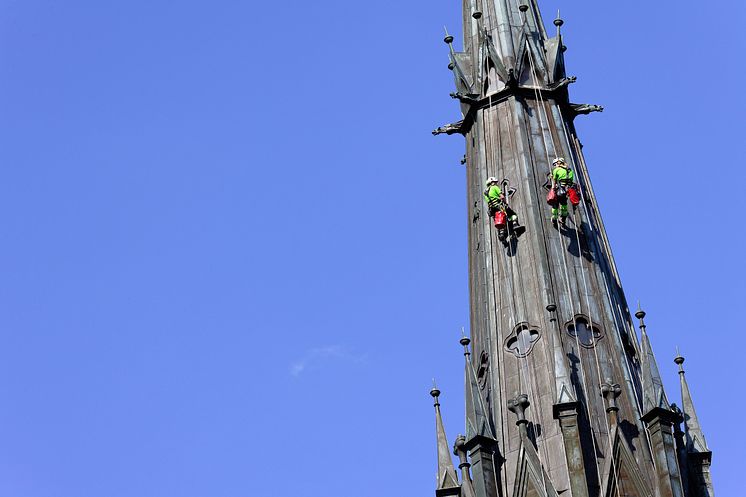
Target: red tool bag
pixel 573 195
pixel 501 219
pixel 552 198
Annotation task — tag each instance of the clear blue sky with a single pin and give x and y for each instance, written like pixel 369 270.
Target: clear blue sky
pixel 233 256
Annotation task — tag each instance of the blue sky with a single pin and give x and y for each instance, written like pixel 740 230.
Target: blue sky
pixel 234 257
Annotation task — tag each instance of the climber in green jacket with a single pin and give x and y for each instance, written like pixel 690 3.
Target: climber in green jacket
pixel 505 218
pixel 563 178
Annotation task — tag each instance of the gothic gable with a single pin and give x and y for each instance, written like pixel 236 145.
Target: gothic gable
pixel 531 479
pixel 621 471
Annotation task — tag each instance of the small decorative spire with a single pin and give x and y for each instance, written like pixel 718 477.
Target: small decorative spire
pixel 477 423
pixel 695 438
pixel 447 479
pixel 653 394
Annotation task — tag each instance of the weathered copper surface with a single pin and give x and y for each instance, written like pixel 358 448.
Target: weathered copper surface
pixel 562 397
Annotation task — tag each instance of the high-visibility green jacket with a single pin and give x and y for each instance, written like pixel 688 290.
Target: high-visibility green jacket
pixel 562 175
pixel 492 196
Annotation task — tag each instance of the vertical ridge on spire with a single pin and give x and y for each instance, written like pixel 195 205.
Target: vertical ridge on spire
pixel 447 479
pixel 695 438
pixel 564 391
pixel 654 396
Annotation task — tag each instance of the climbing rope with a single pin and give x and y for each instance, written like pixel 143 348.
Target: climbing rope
pixel 626 363
pixel 524 367
pixel 495 288
pixel 522 291
pixel 541 103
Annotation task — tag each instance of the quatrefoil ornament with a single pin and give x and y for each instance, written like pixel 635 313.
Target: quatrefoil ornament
pixel 586 334
pixel 522 339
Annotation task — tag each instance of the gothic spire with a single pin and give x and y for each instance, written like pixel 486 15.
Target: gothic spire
pixel 653 395
pixel 447 479
pixel 695 439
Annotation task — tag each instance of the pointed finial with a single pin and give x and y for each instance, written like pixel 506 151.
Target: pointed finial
pixel 448 39
pixel 679 361
pixel 640 314
pixel 465 341
pixel 447 483
pixel 695 438
pixel 435 393
pixel 558 22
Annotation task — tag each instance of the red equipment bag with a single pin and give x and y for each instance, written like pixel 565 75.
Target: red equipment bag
pixel 552 198
pixel 501 219
pixel 573 195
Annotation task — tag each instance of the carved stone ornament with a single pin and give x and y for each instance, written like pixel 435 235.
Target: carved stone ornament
pixel 586 334
pixel 522 339
pixel 483 370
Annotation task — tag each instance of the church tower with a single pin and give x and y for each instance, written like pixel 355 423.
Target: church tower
pixel 562 396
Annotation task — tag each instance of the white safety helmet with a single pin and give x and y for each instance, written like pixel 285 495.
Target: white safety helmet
pixel 491 180
pixel 558 161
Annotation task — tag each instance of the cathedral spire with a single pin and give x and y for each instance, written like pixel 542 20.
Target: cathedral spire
pixel 447 479
pixel 528 295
